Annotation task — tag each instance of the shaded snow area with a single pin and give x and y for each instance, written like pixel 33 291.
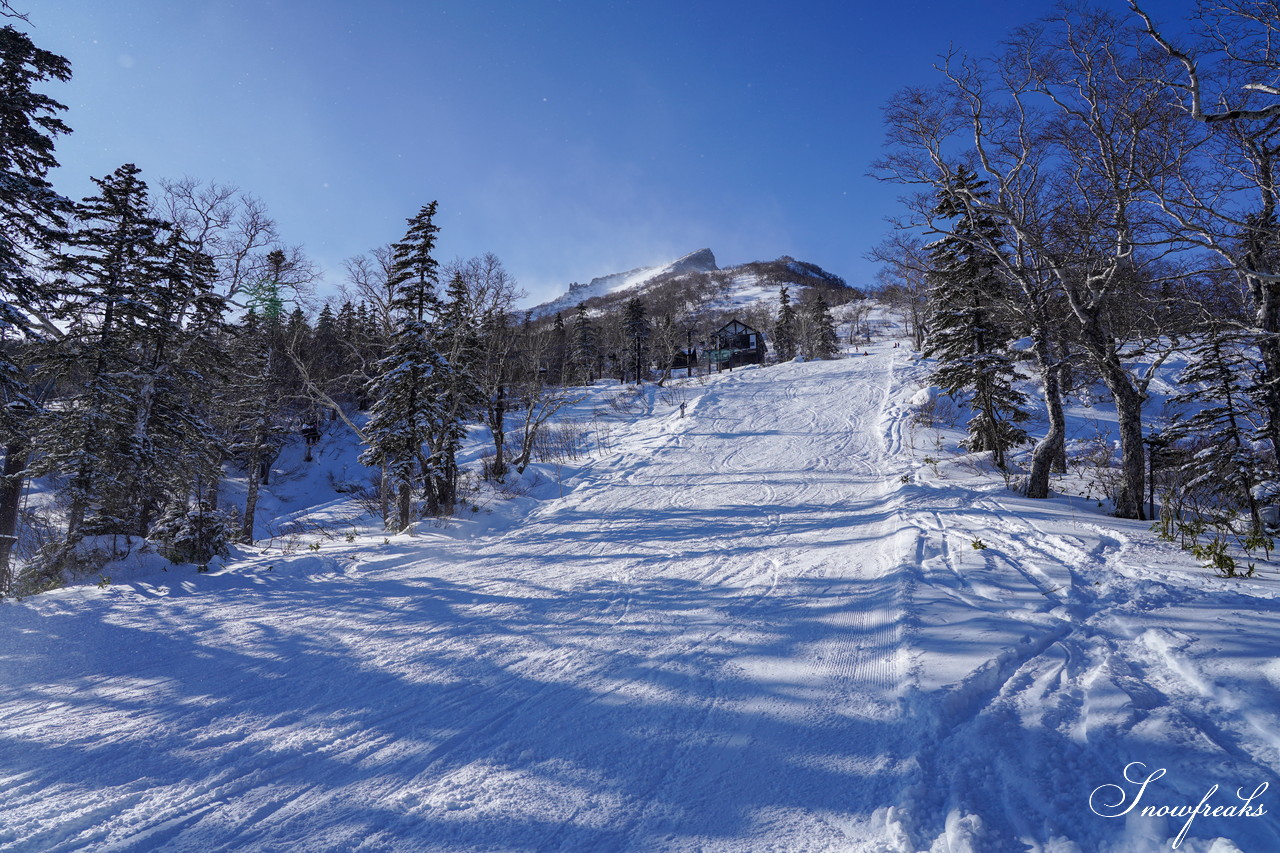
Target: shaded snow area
pixel 767 625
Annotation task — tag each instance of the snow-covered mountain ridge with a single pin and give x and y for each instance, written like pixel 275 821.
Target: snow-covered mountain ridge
pixel 698 274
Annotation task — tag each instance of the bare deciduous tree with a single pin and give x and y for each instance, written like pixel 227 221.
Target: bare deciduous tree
pixel 1066 127
pixel 492 293
pixel 230 226
pixel 1228 201
pixel 903 280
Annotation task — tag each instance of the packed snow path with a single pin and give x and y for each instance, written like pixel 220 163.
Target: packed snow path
pixel 762 626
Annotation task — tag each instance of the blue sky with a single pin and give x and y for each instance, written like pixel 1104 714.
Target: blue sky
pixel 571 138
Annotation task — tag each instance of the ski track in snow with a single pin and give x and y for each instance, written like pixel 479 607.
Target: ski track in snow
pixel 741 631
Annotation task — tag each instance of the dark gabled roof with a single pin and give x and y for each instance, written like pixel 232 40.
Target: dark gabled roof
pixel 740 327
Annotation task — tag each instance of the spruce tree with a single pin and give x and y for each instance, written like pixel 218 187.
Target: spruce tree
pixel 1224 431
pixel 457 393
pixel 784 329
pixel 584 354
pixel 112 266
pixel 965 330
pixel 172 451
pixel 325 355
pixel 404 415
pixel 131 433
pixel 358 349
pixel 32 222
pixel 635 324
pixel 823 343
pixel 558 351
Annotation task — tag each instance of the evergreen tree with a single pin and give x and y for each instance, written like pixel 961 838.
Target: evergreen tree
pixel 584 355
pixel 295 342
pixel 173 452
pixel 405 415
pixel 823 342
pixel 1226 430
pixel 32 221
pixel 247 408
pixel 113 264
pixel 965 332
pixel 260 406
pixel 32 215
pixel 635 324
pixel 456 389
pixel 131 435
pixel 355 350
pixel 297 329
pixel 558 351
pixel 325 355
pixel 348 323
pixel 784 329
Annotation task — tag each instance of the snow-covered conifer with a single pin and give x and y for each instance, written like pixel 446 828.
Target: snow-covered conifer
pixel 1224 427
pixel 111 266
pixel 784 328
pixel 130 434
pixel 584 354
pixel 635 324
pixel 823 342
pixel 32 220
pixel 965 330
pixel 455 386
pixel 405 415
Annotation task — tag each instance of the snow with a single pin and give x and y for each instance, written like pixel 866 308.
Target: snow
pixel 701 260
pixel 762 626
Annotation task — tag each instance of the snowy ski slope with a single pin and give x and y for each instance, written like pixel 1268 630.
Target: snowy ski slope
pixel 763 626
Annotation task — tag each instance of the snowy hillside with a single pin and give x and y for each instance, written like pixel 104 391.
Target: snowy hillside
pixel 697 285
pixel 700 261
pixel 781 622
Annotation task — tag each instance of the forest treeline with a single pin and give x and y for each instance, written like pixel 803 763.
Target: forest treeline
pixel 160 340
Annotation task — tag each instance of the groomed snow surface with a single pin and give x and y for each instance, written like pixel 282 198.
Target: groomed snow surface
pixel 763 626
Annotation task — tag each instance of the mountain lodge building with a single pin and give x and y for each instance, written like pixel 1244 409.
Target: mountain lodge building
pixel 736 344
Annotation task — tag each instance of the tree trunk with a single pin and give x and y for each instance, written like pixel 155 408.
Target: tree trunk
pixel 989 439
pixel 1267 299
pixel 431 492
pixel 430 488
pixel 250 501
pixel 449 483
pixel 1049 450
pixel 405 506
pixel 213 493
pixel 16 455
pixel 141 426
pixel 1128 399
pixel 1133 465
pixel 254 474
pixel 497 426
pixel 384 498
pixel 1128 402
pixel 79 505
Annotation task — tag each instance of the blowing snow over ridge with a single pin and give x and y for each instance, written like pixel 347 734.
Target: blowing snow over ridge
pixel 705 284
pixel 700 261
